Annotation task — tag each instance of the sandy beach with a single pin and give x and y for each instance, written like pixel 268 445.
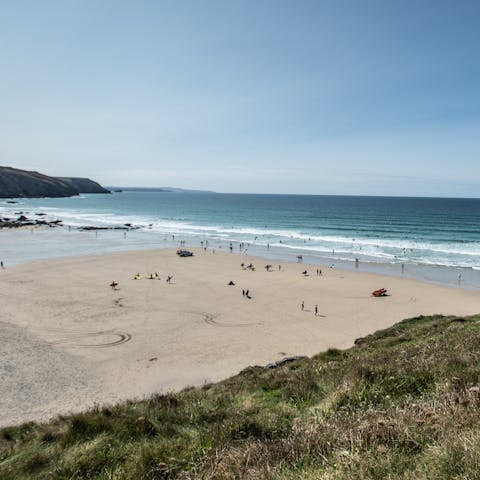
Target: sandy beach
pixel 70 341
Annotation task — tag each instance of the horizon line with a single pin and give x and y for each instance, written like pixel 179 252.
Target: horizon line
pixel 193 190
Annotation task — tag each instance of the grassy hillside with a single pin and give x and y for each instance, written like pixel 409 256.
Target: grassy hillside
pixel 404 403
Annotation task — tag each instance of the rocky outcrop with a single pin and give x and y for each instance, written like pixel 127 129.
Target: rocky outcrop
pixel 16 183
pixel 23 221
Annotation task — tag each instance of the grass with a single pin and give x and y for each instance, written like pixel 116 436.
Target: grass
pixel 403 403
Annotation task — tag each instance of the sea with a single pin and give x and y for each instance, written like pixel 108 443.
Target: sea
pixel 432 239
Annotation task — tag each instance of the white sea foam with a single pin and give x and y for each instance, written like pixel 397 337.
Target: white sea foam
pixel 349 246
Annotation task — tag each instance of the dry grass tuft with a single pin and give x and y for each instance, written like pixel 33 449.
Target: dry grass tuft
pixel 402 404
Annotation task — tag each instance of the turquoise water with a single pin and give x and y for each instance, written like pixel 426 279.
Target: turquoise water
pixel 424 234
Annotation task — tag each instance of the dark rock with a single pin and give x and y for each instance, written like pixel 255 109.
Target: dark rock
pixel 93 227
pixel 87 228
pixel 278 363
pixel 20 222
pixel 283 361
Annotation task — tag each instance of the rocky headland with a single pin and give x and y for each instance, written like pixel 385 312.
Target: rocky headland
pixel 16 183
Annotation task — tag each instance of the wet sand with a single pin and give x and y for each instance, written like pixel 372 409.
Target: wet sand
pixel 70 341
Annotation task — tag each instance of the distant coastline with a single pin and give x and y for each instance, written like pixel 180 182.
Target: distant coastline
pixel 156 189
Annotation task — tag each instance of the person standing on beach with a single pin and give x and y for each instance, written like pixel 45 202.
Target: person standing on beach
pixel 1 264
pixel 316 310
pixel 303 305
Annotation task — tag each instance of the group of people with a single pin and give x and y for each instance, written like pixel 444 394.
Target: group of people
pixel 245 293
pixel 319 273
pixel 138 276
pixel 152 276
pixel 250 266
pixel 315 308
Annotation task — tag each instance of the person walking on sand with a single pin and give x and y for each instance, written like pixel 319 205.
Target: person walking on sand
pixel 316 310
pixel 303 305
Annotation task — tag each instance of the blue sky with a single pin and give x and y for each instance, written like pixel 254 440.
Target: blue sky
pixel 320 97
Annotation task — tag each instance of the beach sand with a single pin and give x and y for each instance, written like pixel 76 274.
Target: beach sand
pixel 69 341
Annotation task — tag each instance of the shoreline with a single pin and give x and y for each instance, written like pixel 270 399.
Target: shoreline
pixel 71 341
pixel 41 242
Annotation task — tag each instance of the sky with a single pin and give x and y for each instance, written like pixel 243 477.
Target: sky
pixel 256 96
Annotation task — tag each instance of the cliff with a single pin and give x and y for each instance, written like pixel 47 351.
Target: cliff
pixel 84 185
pixel 21 183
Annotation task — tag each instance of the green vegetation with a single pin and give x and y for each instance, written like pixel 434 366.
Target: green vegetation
pixel 402 404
